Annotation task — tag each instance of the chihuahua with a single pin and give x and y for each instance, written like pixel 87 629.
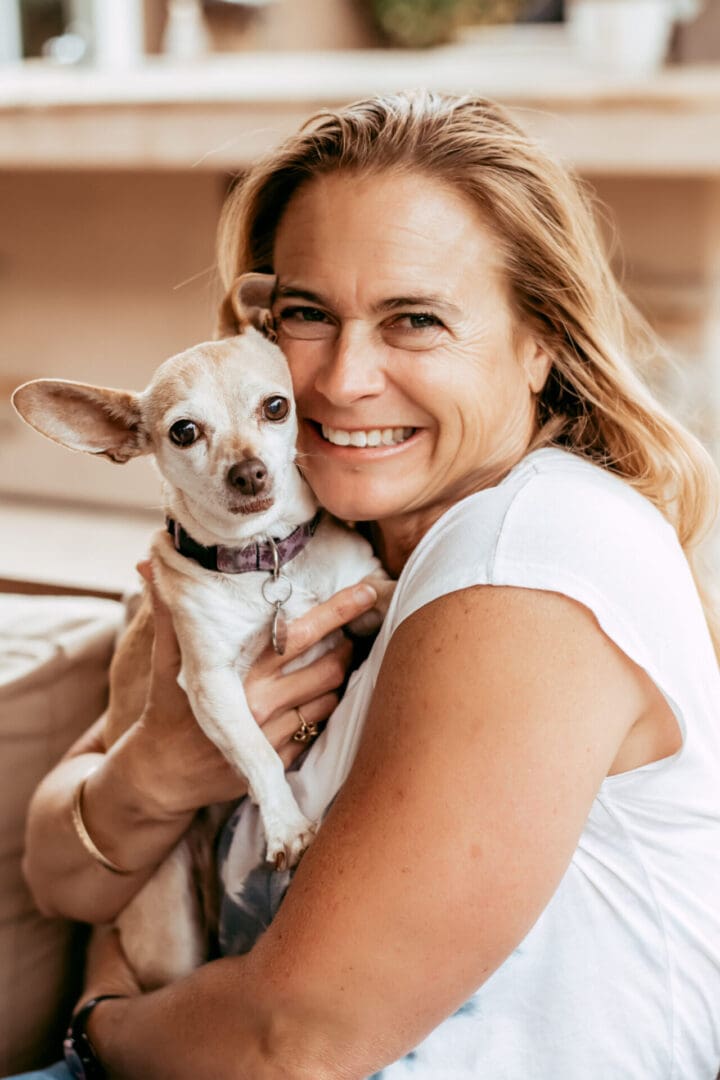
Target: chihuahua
pixel 245 547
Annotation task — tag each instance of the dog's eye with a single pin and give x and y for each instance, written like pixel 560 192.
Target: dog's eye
pixel 184 432
pixel 275 408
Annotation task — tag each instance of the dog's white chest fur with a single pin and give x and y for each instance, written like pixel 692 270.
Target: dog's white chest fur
pixel 226 619
pixel 223 622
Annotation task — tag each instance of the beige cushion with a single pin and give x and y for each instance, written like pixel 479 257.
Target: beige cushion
pixel 54 656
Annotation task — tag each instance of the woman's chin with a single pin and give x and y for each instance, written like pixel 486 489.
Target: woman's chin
pixel 349 505
pixel 349 509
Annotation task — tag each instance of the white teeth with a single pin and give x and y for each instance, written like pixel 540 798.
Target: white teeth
pixel 372 437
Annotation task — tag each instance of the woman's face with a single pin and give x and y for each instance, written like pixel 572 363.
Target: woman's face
pixel 414 387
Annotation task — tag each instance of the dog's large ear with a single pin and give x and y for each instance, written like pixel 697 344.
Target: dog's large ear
pixel 247 303
pixel 82 417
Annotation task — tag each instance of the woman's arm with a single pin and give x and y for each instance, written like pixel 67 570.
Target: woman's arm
pixel 497 714
pixel 141 795
pixel 63 878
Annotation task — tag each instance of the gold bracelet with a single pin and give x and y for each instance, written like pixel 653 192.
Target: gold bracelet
pixel 84 836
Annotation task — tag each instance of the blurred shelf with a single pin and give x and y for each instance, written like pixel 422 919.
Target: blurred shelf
pixel 219 113
pixel 199 121
pixel 93 550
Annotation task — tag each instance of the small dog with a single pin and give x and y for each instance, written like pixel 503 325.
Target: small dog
pixel 245 548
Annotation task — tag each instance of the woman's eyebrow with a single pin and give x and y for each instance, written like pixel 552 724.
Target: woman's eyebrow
pixel 427 301
pixel 391 304
pixel 300 294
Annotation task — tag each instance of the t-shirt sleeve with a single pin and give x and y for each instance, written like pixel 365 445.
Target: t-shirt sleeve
pixel 582 533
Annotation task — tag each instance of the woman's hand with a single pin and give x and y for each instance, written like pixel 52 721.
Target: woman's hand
pixel 107 970
pixel 200 775
pixel 140 796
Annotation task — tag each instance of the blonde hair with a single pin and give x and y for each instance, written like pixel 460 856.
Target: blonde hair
pixel 560 283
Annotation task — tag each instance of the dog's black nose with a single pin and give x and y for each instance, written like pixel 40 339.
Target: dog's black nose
pixel 249 477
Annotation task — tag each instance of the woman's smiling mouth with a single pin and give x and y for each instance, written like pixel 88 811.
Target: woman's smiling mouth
pixel 386 436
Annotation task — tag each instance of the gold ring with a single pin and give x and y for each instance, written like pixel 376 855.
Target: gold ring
pixel 306 732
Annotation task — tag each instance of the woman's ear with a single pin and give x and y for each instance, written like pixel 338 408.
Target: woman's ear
pixel 537 363
pixel 247 303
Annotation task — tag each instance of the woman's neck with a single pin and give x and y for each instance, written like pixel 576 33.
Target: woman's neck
pixel 395 538
pixel 394 542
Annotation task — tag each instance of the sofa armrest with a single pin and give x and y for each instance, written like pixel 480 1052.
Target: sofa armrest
pixel 54 658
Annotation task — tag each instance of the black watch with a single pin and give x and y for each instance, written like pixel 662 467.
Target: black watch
pixel 80 1056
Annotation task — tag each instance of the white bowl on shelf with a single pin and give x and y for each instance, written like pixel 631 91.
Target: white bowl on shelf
pixel 629 36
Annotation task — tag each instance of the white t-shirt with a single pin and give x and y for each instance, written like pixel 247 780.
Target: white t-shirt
pixel 619 979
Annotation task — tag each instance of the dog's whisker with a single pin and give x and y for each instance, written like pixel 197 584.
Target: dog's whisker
pixel 235 140
pixel 194 277
pixel 227 145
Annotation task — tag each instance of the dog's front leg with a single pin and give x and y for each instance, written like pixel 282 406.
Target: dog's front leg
pixel 218 700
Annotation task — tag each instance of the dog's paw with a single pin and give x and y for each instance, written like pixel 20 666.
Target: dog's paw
pixel 287 842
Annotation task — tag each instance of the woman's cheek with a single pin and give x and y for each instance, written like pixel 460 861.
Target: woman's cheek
pixel 303 362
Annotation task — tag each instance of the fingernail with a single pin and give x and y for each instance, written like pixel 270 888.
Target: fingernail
pixel 365 594
pixel 144 569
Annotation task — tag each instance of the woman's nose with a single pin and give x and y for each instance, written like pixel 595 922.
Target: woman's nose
pixel 353 368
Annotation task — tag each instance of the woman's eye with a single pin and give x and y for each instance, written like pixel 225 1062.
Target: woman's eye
pixel 184 432
pixel 308 323
pixel 413 330
pixel 276 408
pixel 416 322
pixel 306 314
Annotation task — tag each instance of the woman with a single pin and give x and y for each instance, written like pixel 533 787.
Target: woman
pixel 519 871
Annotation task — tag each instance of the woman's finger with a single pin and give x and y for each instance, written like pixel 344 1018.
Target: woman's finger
pixel 166 651
pixel 283 726
pixel 267 696
pixel 289 751
pixel 144 569
pixel 321 620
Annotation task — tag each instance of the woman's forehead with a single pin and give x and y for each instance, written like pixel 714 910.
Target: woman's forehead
pixel 404 231
pixel 397 204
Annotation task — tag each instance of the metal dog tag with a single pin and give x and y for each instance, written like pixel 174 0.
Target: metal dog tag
pixel 278 633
